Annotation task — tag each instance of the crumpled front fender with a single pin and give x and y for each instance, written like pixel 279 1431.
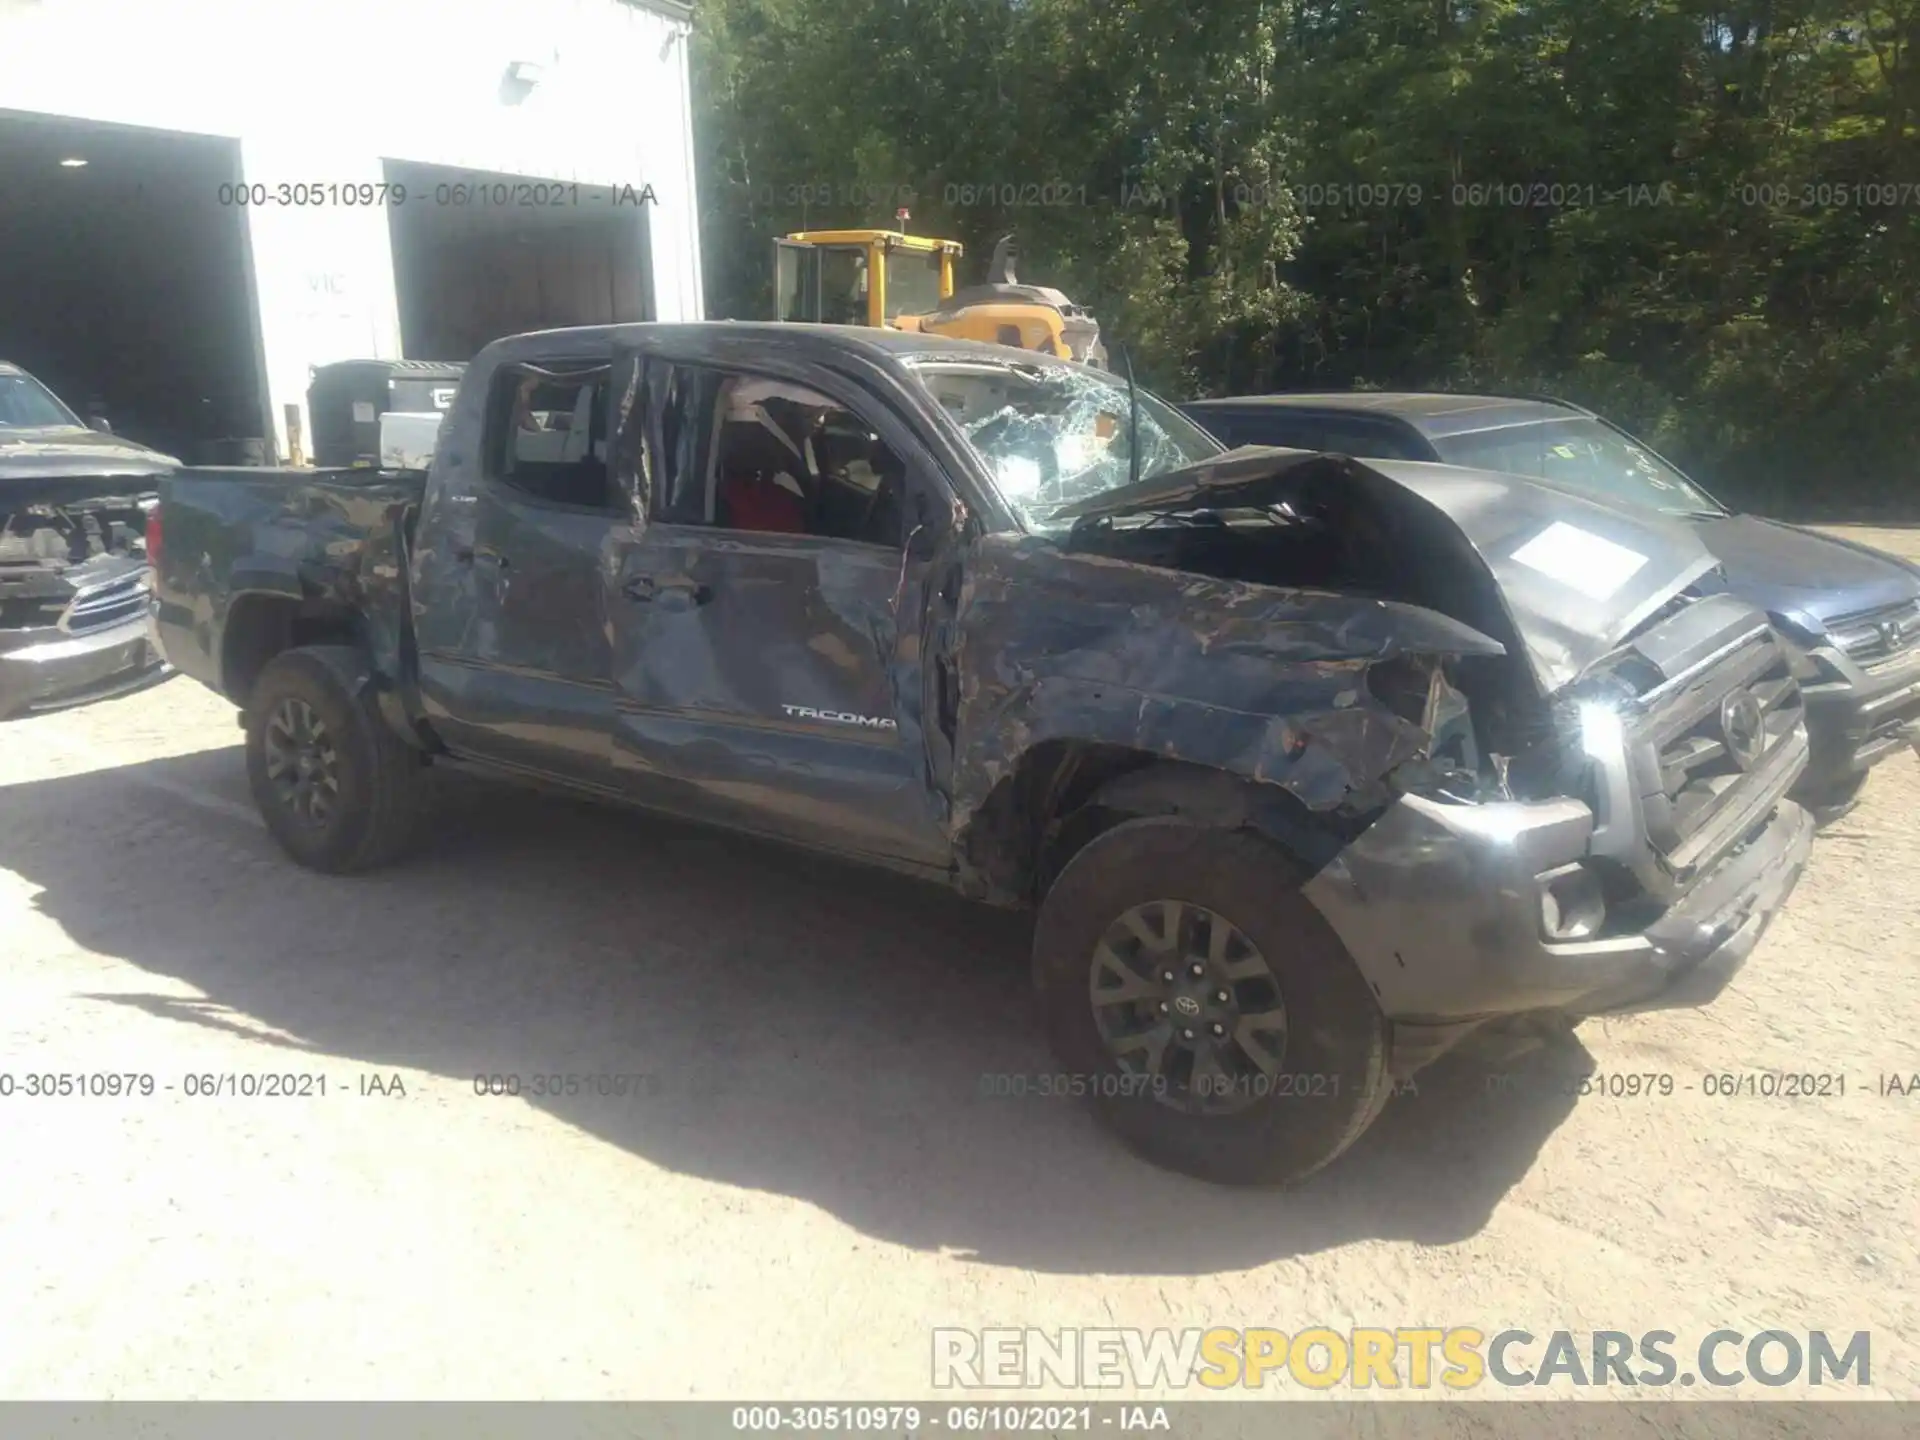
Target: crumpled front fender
pixel 1262 682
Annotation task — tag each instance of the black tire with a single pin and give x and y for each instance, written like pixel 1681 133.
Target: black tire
pixel 376 780
pixel 1331 1079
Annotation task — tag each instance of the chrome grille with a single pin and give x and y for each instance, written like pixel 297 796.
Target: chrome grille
pixel 1875 635
pixel 104 605
pixel 1715 744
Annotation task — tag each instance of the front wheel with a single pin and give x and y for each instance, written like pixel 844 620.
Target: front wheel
pixel 1204 1004
pixel 338 789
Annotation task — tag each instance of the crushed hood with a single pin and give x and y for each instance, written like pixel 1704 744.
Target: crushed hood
pixel 1574 575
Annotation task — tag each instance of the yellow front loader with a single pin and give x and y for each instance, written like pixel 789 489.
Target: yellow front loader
pixel 905 282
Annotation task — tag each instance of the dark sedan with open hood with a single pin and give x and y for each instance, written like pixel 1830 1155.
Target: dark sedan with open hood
pixel 74 579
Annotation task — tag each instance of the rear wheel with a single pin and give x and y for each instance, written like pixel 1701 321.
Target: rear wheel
pixel 1212 1015
pixel 338 789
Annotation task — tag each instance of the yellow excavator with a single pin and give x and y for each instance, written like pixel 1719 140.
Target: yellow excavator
pixel 905 282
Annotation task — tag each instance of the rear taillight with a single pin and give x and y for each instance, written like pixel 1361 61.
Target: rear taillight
pixel 153 537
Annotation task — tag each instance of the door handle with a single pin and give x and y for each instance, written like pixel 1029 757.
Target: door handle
pixel 468 555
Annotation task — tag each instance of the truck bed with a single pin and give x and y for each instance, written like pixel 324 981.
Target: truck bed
pixel 319 548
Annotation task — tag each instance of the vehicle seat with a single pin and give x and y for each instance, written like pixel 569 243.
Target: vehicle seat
pixel 750 497
pixel 760 502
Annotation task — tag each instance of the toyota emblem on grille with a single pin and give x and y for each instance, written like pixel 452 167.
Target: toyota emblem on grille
pixel 1743 726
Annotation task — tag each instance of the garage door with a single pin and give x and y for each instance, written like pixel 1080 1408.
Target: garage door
pixel 124 280
pixel 478 255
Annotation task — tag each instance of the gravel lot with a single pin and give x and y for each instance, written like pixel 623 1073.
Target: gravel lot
pixel 810 1179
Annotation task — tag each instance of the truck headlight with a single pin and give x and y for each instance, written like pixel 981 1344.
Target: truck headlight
pixel 1602 735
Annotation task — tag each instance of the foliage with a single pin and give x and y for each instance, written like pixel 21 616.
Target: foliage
pixel 1700 216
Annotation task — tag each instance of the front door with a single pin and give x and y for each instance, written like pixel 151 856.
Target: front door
pixel 515 664
pixel 765 678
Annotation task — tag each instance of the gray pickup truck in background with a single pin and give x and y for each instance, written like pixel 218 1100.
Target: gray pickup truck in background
pixel 74 503
pixel 1310 767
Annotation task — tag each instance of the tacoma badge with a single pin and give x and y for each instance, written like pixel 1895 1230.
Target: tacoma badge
pixel 838 717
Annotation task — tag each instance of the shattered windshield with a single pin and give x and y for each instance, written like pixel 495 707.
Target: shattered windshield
pixel 1053 434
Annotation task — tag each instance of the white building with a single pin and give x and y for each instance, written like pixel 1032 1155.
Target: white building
pixel 199 200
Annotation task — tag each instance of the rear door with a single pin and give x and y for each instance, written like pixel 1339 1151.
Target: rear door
pixel 510 619
pixel 766 678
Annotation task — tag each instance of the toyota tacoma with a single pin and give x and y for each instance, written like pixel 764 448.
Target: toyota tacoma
pixel 1310 767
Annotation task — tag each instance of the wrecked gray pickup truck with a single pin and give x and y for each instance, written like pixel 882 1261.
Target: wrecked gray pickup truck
pixel 1309 767
pixel 73 571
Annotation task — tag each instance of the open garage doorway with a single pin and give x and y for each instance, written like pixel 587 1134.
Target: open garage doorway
pixel 478 255
pixel 126 281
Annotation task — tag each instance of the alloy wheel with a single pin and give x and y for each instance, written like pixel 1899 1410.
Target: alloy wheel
pixel 303 764
pixel 1184 1001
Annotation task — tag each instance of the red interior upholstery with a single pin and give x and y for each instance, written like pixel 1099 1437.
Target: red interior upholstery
pixel 753 502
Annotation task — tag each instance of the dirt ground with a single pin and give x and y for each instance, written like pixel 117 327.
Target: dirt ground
pixel 809 1178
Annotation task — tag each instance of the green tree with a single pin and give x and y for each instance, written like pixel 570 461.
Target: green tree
pixel 1702 218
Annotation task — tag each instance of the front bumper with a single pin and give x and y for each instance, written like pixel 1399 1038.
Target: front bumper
pixel 45 668
pixel 1440 906
pixel 1857 715
pixel 1701 942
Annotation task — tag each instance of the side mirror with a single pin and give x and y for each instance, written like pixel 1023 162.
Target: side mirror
pixel 99 422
